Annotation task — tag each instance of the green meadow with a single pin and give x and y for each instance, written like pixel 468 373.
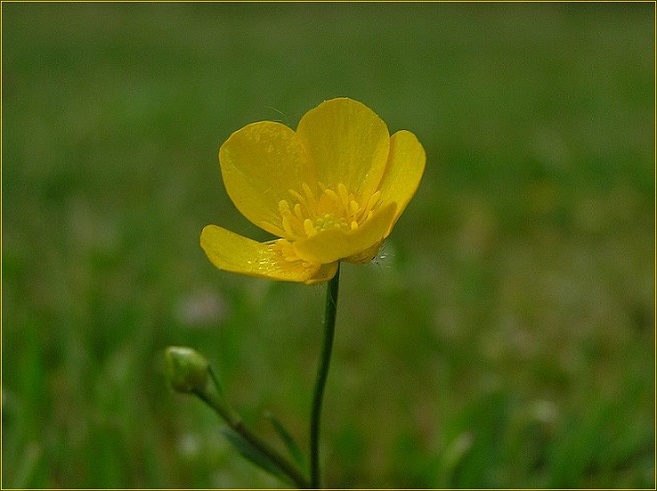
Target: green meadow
pixel 504 337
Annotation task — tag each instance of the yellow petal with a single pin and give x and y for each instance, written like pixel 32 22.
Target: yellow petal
pixel 260 163
pixel 365 256
pixel 405 168
pixel 335 244
pixel 347 144
pixel 324 273
pixel 232 252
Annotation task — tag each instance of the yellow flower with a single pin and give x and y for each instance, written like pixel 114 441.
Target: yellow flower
pixel 331 190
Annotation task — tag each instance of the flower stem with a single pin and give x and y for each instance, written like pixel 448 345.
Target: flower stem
pixel 233 420
pixel 322 374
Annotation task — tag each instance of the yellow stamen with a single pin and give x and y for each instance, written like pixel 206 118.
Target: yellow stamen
pixel 309 228
pixel 336 208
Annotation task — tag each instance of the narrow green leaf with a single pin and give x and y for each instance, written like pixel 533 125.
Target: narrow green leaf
pixel 215 380
pixel 289 442
pixel 252 454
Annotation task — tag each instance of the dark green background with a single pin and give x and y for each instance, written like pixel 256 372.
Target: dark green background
pixel 506 339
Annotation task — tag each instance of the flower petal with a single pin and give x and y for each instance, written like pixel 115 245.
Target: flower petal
pixel 333 245
pixel 232 252
pixel 324 273
pixel 260 163
pixel 405 168
pixel 347 144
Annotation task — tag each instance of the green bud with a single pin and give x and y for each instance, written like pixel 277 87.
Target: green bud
pixel 187 370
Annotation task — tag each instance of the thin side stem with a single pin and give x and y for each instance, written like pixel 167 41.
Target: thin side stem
pixel 235 422
pixel 322 374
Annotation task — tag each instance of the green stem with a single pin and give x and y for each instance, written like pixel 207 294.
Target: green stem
pixel 212 399
pixel 322 374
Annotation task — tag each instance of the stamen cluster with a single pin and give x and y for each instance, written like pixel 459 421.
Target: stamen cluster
pixel 304 215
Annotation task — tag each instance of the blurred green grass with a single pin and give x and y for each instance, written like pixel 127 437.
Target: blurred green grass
pixel 506 339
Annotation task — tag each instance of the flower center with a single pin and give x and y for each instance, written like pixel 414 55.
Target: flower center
pixel 305 214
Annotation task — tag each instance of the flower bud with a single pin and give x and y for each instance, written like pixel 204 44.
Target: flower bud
pixel 187 370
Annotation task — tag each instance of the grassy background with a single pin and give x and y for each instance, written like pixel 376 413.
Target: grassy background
pixel 506 339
